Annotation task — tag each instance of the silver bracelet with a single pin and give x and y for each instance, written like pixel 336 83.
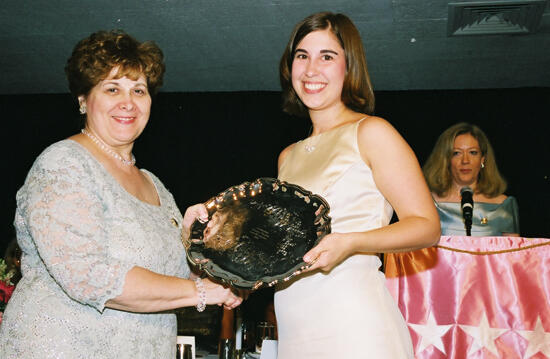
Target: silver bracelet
pixel 201 305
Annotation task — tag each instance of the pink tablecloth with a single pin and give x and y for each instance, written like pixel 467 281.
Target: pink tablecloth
pixel 475 297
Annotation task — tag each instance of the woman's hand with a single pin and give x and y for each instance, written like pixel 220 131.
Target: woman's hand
pixel 220 295
pixel 332 250
pixel 191 214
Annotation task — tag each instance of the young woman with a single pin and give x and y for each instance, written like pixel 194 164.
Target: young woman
pixel 359 163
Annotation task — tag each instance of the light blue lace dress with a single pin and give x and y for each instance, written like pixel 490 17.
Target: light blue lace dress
pixel 80 233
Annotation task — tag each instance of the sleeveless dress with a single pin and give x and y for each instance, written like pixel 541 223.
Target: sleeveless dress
pixel 347 313
pixel 488 219
pixel 80 232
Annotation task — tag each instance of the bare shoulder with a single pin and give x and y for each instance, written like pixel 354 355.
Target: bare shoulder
pixel 284 153
pixel 480 197
pixel 501 198
pixel 375 136
pixel 376 131
pixel 374 123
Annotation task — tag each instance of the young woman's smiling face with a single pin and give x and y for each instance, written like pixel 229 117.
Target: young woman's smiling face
pixel 319 70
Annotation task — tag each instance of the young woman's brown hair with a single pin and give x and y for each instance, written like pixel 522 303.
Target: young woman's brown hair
pixel 357 92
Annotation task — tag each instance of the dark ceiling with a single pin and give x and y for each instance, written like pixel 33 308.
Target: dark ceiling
pixel 235 45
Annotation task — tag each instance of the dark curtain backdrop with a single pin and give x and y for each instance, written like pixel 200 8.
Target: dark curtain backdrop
pixel 199 144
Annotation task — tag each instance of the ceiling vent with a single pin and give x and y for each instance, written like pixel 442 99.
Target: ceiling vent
pixel 494 17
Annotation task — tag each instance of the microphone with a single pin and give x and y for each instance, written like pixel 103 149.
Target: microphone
pixel 467 205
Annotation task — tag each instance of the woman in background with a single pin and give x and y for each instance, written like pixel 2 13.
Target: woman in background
pixel 102 258
pixel 463 157
pixel 362 166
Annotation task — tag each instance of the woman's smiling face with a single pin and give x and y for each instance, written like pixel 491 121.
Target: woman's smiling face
pixel 319 70
pixel 118 108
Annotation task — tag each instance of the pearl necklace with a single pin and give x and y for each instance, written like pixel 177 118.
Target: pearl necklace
pixel 105 148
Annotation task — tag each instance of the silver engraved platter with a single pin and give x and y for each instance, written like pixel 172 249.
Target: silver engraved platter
pixel 257 233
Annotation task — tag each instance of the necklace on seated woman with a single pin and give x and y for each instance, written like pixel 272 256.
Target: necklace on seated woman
pixel 105 148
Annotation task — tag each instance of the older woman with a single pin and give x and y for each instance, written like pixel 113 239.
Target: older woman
pixel 463 157
pixel 103 262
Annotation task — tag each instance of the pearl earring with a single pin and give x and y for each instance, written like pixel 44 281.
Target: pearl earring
pixel 482 165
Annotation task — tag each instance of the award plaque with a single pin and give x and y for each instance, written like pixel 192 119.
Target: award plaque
pixel 257 233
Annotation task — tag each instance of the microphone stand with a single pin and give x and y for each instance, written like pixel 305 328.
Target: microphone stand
pixel 468 225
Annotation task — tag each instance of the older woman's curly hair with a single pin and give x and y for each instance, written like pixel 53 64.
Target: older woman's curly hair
pixel 437 169
pixel 94 57
pixel 357 92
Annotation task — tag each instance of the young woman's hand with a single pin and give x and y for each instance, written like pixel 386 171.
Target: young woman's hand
pixel 332 250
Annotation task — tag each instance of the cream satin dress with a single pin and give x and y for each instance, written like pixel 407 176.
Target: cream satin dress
pixel 347 313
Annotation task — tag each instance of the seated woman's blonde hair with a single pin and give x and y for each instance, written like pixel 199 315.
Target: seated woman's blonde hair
pixel 437 169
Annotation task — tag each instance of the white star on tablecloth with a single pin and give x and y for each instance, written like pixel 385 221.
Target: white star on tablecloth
pixel 430 334
pixel 539 340
pixel 484 336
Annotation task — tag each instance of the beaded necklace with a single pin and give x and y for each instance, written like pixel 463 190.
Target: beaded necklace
pixel 105 148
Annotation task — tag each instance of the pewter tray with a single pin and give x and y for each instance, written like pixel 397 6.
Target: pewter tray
pixel 282 222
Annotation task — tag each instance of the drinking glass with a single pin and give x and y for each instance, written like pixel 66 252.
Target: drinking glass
pixel 264 330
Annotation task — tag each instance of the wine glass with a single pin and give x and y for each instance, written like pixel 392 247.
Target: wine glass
pixel 264 330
